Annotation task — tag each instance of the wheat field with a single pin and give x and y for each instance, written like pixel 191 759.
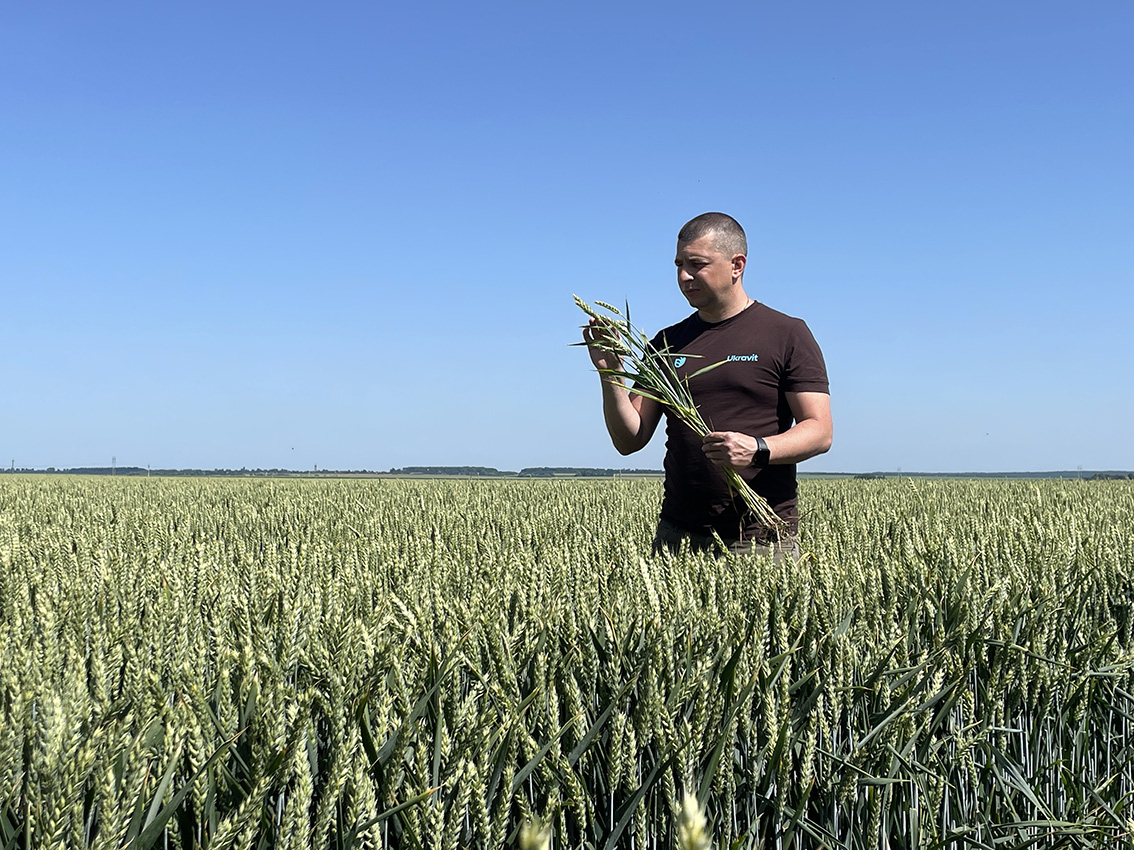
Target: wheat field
pixel 434 664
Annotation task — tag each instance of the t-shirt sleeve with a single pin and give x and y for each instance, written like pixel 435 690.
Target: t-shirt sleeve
pixel 805 370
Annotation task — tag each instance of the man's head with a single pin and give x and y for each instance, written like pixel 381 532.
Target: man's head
pixel 710 260
pixel 727 234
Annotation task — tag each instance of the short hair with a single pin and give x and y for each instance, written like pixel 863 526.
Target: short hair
pixel 728 235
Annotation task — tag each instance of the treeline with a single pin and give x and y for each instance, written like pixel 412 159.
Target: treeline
pixel 582 472
pixel 474 471
pixel 454 471
pixel 527 472
pixel 1084 475
pixel 141 471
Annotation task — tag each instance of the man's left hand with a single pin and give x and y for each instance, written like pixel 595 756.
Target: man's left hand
pixel 729 448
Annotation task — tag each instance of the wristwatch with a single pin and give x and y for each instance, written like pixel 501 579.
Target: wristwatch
pixel 760 459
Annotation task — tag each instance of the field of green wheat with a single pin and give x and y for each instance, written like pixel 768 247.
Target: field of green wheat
pixel 434 664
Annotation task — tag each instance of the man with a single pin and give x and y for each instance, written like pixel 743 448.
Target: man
pixel 769 403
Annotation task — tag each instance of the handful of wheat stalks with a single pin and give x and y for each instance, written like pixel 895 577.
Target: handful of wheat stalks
pixel 651 373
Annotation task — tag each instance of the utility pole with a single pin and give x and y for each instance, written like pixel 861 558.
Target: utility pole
pixel 113 465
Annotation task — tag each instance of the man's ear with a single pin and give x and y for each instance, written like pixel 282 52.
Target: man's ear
pixel 738 263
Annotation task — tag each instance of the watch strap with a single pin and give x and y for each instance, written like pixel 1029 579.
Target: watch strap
pixel 762 455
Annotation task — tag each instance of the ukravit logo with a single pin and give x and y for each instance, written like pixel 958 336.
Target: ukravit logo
pixel 679 362
pixel 743 358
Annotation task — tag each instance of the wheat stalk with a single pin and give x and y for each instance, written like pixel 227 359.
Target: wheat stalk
pixel 692 825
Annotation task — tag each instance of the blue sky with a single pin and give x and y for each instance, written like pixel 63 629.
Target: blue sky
pixel 347 235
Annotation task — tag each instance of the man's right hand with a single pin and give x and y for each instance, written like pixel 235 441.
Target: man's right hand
pixel 596 333
pixel 630 418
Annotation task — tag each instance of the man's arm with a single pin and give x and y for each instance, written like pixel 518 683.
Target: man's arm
pixel 810 435
pixel 630 419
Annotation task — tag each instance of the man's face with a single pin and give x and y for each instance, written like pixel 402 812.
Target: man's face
pixel 707 276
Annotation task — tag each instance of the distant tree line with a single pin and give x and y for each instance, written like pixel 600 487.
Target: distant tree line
pixel 1085 476
pixel 581 472
pixel 527 472
pixel 474 471
pixel 141 471
pixel 244 472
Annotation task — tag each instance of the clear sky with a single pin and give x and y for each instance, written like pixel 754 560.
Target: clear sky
pixel 347 234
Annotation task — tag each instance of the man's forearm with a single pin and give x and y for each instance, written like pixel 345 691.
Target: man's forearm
pixel 803 440
pixel 623 421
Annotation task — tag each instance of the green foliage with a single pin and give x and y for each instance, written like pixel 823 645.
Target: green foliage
pixel 433 664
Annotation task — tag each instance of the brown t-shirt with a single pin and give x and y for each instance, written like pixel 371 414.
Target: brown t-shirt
pixel 766 354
